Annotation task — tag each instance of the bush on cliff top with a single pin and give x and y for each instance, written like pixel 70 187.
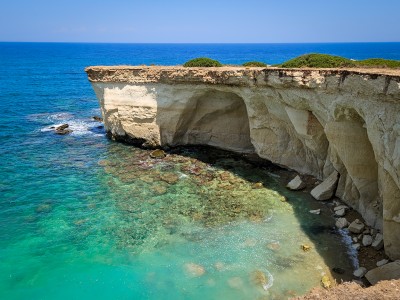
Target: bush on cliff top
pixel 202 62
pixel 379 63
pixel 254 64
pixel 315 60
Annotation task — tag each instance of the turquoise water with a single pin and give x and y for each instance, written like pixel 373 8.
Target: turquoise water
pixel 84 217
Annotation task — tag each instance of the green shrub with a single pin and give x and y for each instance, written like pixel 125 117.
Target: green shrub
pixel 254 64
pixel 315 60
pixel 202 62
pixel 378 63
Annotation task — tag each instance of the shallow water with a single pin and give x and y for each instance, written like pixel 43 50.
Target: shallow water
pixel 85 217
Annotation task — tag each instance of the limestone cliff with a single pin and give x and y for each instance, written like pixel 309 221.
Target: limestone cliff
pixel 314 121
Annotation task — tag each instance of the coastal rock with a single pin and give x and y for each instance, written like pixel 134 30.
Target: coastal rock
pixel 360 272
pixel 296 184
pixel 385 272
pixel 315 211
pixel 382 262
pixel 367 240
pixel 326 189
pixel 313 121
pixel 341 223
pixel 378 242
pixel 340 212
pixel 97 118
pixel 356 226
pixel 158 153
pixel 62 129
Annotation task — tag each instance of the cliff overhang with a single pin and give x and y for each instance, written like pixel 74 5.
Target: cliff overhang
pixel 315 121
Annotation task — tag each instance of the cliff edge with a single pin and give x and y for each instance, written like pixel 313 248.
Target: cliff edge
pixel 315 121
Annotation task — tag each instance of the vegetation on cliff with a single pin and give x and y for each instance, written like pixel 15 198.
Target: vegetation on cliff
pixel 202 62
pixel 254 64
pixel 316 60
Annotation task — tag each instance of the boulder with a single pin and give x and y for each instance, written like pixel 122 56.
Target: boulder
pixel 382 262
pixel 356 246
pixel 327 188
pixel 296 184
pixel 360 272
pixel 378 241
pixel 367 240
pixel 341 223
pixel 340 212
pixel 62 129
pixel 356 226
pixel 386 272
pixel 315 211
pixel 339 207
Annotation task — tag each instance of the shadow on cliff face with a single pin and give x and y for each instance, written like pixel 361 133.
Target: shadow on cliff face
pixel 212 117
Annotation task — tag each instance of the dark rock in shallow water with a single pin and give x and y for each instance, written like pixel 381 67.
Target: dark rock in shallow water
pixel 97 118
pixel 62 129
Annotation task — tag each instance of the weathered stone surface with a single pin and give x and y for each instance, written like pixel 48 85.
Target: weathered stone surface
pixel 367 240
pixel 340 212
pixel 326 189
pixel 314 121
pixel 378 241
pixel 356 226
pixel 385 272
pixel 360 272
pixel 382 262
pixel 341 223
pixel 296 184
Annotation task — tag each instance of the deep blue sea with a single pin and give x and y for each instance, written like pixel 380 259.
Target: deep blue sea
pixel 82 217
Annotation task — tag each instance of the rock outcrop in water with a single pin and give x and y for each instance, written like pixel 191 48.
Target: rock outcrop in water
pixel 315 121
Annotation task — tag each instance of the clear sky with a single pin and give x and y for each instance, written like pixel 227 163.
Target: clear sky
pixel 200 21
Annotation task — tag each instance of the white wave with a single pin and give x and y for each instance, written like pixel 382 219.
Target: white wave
pixel 270 281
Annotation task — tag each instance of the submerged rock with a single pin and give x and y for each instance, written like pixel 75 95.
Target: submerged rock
pixel 326 282
pixel 326 189
pixel 44 208
pixel 305 247
pixel 259 278
pixel 315 211
pixel 296 184
pixel 195 270
pixel 169 178
pixel 158 153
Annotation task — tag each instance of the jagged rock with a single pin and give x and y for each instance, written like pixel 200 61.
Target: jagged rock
pixel 367 240
pixel 315 211
pixel 62 129
pixel 326 189
pixel 356 246
pixel 97 118
pixel 341 223
pixel 385 272
pixel 339 207
pixel 340 212
pixel 360 272
pixel 296 184
pixel 382 262
pixel 356 226
pixel 378 242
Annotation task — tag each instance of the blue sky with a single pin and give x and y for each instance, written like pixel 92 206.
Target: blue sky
pixel 213 21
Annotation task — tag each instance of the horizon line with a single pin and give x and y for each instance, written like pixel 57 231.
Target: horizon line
pixel 198 43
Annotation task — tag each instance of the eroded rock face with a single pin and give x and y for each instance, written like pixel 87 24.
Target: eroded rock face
pixel 313 121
